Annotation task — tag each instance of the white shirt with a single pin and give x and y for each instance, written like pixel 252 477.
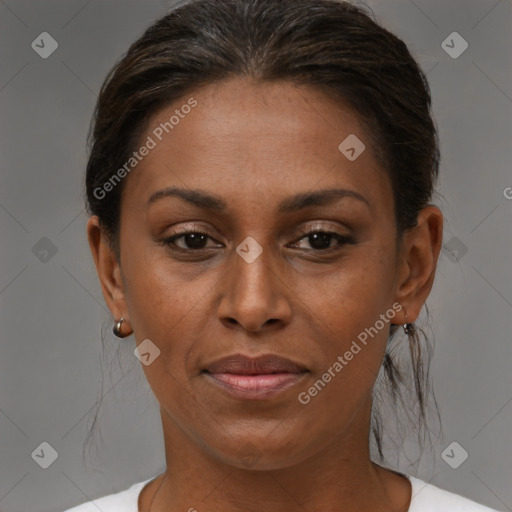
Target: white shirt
pixel 425 498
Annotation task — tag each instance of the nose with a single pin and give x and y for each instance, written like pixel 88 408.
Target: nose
pixel 254 295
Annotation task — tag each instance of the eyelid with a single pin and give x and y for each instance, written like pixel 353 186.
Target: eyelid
pixel 318 226
pixel 342 231
pixel 305 229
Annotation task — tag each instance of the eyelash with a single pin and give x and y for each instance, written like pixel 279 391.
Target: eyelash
pixel 342 240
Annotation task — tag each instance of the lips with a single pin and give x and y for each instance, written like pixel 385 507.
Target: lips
pixel 257 378
pixel 243 365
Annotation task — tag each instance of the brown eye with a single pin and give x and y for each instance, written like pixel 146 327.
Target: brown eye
pixel 193 240
pixel 321 240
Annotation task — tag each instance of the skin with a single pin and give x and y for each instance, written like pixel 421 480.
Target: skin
pixel 254 145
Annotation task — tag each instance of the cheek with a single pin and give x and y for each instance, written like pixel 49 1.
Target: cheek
pixel 158 292
pixel 170 303
pixel 351 336
pixel 354 294
pixel 351 312
pixel 168 310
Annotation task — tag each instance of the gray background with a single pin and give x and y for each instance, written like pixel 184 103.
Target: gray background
pixel 52 309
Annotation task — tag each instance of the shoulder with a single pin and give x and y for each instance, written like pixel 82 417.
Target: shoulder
pixel 124 501
pixel 429 498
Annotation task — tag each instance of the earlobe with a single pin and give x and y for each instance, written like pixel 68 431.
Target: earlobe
pixel 421 248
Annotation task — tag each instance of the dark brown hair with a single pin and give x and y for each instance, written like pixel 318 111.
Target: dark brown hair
pixel 332 45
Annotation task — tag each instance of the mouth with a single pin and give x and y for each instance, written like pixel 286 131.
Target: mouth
pixel 254 378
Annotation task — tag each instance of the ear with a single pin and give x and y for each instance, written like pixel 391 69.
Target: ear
pixel 418 261
pixel 108 269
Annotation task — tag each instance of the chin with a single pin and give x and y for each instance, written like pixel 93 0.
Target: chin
pixel 258 454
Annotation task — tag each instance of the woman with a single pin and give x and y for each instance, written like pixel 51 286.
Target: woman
pixel 259 185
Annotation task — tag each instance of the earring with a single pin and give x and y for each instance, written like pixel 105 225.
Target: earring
pixel 408 327
pixel 117 328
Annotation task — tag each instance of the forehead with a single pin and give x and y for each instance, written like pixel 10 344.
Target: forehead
pixel 248 139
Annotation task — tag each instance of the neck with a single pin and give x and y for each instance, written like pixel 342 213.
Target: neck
pixel 340 476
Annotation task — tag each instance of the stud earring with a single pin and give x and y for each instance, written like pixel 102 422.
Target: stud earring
pixel 408 327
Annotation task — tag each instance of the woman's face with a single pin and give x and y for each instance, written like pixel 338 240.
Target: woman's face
pixel 257 284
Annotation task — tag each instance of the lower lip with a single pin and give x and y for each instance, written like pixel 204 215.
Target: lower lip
pixel 255 387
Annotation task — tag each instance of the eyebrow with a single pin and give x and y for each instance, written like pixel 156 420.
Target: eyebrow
pixel 294 203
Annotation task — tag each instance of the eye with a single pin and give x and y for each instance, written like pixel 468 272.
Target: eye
pixel 193 240
pixel 320 240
